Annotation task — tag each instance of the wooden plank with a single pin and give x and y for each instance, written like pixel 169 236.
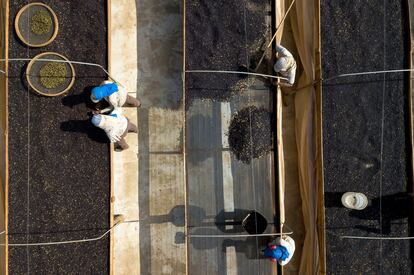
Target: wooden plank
pixel 185 176
pixel 6 136
pixel 281 156
pixel 111 151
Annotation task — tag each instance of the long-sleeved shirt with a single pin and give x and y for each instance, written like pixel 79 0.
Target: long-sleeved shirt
pixel 289 243
pixel 118 98
pixel 114 125
pixel 289 70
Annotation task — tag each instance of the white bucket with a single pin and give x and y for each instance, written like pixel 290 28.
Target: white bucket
pixel 354 200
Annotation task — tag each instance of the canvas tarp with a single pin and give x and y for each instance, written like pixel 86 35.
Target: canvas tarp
pixel 301 130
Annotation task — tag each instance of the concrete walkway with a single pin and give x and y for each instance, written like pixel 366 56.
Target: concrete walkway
pixel 149 181
pixel 124 69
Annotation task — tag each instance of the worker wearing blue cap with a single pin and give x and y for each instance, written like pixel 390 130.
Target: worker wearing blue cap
pixel 282 251
pixel 115 95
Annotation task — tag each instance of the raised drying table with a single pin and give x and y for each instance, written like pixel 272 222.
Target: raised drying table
pixel 366 136
pixel 59 164
pixel 222 35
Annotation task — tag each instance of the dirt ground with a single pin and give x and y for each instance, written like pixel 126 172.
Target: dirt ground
pixel 59 183
pixel 359 113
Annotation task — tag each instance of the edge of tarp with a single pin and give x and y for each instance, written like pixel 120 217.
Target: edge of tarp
pixel 4 113
pixel 319 141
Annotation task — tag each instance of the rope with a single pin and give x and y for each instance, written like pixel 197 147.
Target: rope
pixel 377 238
pixel 239 235
pixel 64 61
pixel 67 242
pixel 235 72
pixel 281 22
pixel 274 36
pixel 368 73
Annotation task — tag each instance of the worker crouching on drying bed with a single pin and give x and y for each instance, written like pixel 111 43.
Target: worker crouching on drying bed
pixel 116 127
pixel 281 251
pixel 116 96
pixel 286 66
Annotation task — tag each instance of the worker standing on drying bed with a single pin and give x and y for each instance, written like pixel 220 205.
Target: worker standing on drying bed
pixel 286 66
pixel 116 127
pixel 281 251
pixel 116 97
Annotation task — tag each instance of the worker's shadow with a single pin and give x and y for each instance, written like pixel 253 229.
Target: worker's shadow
pixel 385 209
pixel 204 239
pixel 231 222
pixel 333 199
pixel 85 127
pixel 83 98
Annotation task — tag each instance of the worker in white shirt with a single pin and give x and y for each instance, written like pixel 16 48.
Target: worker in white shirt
pixel 286 66
pixel 116 127
pixel 116 96
pixel 281 251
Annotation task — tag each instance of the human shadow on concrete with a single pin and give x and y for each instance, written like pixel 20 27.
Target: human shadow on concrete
pixel 203 239
pixel 85 127
pixel 176 216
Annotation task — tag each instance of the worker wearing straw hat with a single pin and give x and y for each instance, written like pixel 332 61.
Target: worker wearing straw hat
pixel 116 127
pixel 285 65
pixel 116 96
pixel 282 251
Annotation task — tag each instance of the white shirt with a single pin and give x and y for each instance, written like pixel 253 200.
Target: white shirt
pixel 289 243
pixel 118 98
pixel 114 126
pixel 289 71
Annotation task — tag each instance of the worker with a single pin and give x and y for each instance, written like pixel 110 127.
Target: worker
pixel 116 97
pixel 116 127
pixel 281 251
pixel 285 66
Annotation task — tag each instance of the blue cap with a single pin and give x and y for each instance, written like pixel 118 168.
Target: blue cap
pixel 280 253
pixel 103 91
pixel 96 119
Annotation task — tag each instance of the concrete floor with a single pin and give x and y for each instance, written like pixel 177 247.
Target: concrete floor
pixel 149 182
pixel 149 177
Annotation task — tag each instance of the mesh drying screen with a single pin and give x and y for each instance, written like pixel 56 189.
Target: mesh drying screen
pixel 60 83
pixel 36 25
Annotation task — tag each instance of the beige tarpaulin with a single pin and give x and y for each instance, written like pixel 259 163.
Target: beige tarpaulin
pixel 300 142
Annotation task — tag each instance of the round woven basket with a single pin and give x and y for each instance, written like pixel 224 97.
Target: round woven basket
pixel 23 28
pixel 34 79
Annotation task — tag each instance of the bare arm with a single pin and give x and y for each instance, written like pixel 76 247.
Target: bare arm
pixel 106 110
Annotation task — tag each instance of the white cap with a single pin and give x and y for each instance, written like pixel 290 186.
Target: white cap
pixel 354 200
pixel 281 64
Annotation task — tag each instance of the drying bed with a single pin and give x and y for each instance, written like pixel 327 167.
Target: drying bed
pixel 223 187
pixel 59 164
pixel 366 136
